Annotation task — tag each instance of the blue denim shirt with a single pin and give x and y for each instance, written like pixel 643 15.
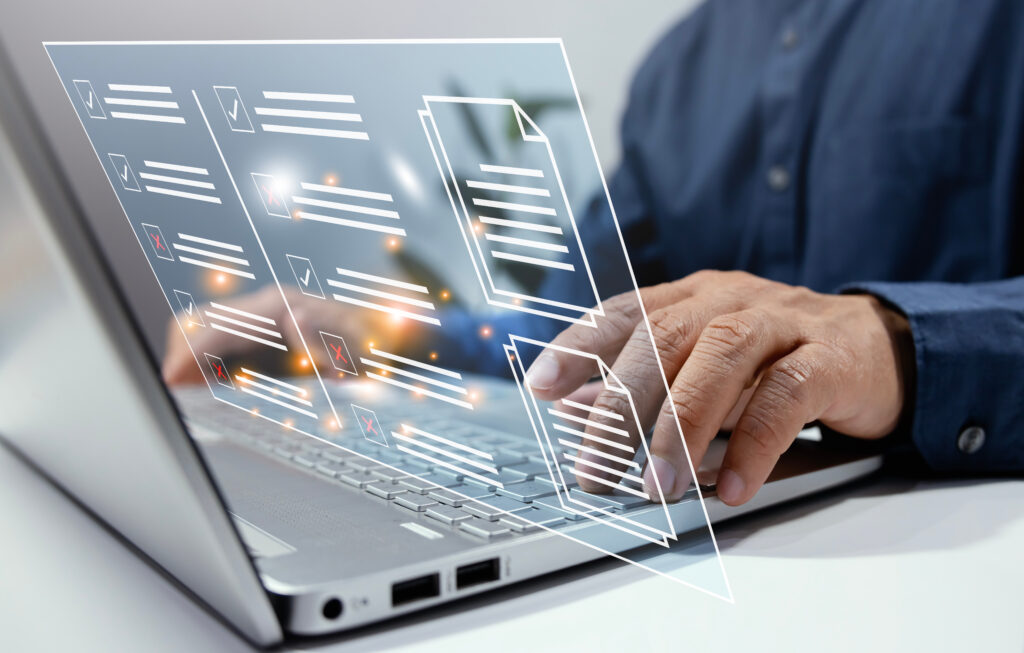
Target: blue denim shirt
pixel 865 145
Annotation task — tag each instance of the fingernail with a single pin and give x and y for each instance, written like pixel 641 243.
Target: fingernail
pixel 730 486
pixel 666 478
pixel 543 373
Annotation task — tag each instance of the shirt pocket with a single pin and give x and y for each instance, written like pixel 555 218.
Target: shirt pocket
pixel 901 201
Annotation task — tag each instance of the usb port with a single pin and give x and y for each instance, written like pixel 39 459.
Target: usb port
pixel 477 573
pixel 415 589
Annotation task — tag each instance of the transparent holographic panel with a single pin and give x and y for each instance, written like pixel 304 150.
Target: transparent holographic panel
pixel 326 218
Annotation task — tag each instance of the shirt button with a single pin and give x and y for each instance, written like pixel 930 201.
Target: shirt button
pixel 789 38
pixel 971 439
pixel 778 178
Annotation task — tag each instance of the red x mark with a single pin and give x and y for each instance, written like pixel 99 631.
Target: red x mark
pixel 369 424
pixel 220 371
pixel 337 353
pixel 271 200
pixel 156 241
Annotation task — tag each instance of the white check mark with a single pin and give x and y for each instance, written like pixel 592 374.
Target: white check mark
pixel 305 279
pixel 89 101
pixel 124 175
pixel 190 308
pixel 234 110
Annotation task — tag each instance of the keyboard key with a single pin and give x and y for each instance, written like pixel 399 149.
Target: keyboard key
pixel 492 508
pixel 620 500
pixel 388 474
pixel 333 469
pixel 503 459
pixel 358 462
pixel 416 502
pixel 337 455
pixel 536 517
pixel 551 503
pixel 440 480
pixel 486 529
pixel 286 450
pixel 527 471
pixel 384 489
pixel 448 514
pixel 417 485
pixel 456 495
pixel 527 491
pixel 357 479
pixel 305 458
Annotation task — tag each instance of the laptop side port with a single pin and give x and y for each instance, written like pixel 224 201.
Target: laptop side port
pixel 415 589
pixel 477 573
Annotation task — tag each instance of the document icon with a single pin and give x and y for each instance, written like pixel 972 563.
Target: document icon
pixel 612 454
pixel 511 205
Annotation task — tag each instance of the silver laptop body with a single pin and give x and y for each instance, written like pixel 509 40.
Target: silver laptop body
pixel 247 519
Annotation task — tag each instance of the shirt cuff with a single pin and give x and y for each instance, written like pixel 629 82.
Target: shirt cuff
pixel 969 354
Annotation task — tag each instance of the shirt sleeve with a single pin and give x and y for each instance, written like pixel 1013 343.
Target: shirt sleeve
pixel 969 355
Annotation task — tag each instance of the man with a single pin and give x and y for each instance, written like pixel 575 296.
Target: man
pixel 861 161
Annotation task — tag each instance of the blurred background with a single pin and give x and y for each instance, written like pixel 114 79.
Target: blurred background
pixel 605 41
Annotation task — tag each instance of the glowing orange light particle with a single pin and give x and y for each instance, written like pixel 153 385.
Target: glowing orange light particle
pixel 445 295
pixel 433 355
pixel 485 332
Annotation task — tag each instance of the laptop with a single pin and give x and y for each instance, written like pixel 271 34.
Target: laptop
pixel 322 481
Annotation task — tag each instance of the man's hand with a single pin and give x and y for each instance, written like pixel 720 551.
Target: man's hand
pixel 738 350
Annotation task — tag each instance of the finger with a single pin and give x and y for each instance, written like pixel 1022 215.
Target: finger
pixel 673 331
pixel 179 366
pixel 728 355
pixel 795 390
pixel 557 372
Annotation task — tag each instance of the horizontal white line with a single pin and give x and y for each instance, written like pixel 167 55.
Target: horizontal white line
pixel 531 260
pixel 176 168
pixel 513 206
pixel 313 115
pixel 414 375
pixel 387 309
pixel 416 363
pixel 508 170
pixel 211 243
pixel 273 391
pixel 180 193
pixel 271 379
pixel 137 88
pixel 313 131
pixel 449 454
pixel 278 402
pixel 344 222
pixel 451 443
pixel 147 116
pixel 178 180
pixel 611 484
pixel 351 192
pixel 603 468
pixel 308 97
pixel 594 438
pixel 380 293
pixel 517 224
pixel 524 242
pixel 591 409
pixel 587 422
pixel 447 465
pixel 598 452
pixel 351 208
pixel 509 188
pixel 219 268
pixel 251 316
pixel 247 336
pixel 405 285
pixel 213 255
pixel 152 104
pixel 245 325
pixel 423 391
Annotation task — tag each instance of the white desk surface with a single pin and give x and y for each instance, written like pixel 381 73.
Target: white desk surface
pixel 887 565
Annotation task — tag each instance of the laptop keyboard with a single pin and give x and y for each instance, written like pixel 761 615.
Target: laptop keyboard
pixel 526 501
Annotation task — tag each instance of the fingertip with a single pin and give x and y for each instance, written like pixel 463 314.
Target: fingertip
pixel 731 488
pixel 544 373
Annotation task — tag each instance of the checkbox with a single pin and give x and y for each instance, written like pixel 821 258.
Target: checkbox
pixel 272 195
pixel 90 100
pixel 125 174
pixel 189 308
pixel 157 242
pixel 234 109
pixel 305 277
pixel 219 371
pixel 338 352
